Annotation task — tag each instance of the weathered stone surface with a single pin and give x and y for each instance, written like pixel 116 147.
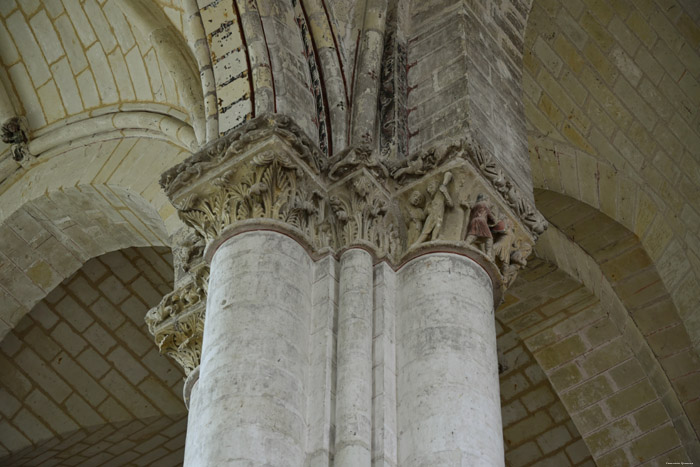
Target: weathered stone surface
pixel 443 352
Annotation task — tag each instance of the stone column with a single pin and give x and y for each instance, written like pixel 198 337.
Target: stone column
pixel 448 229
pixel 353 406
pixel 449 412
pixel 248 405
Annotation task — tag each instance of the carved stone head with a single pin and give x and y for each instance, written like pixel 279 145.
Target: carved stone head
pixel 433 187
pixel 416 198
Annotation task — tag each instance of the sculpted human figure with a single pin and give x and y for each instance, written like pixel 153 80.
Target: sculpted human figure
pixel 436 209
pixel 504 242
pixel 480 218
pixel 518 261
pixel 416 215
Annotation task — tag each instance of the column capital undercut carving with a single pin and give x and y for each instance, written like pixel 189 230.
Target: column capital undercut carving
pixel 177 322
pixel 268 174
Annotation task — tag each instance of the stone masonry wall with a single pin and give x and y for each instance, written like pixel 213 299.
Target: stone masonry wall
pixel 464 71
pixel 83 382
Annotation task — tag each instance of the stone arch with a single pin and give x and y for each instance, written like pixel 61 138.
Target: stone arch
pixel 605 375
pixel 81 378
pixel 59 62
pixel 637 313
pixel 612 123
pixel 90 200
pixel 622 257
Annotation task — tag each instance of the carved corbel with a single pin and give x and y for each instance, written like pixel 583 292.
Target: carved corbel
pixel 15 132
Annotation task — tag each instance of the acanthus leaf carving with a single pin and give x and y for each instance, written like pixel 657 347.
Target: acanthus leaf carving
pixel 268 170
pixel 363 214
pixel 269 186
pixel 235 143
pixel 177 322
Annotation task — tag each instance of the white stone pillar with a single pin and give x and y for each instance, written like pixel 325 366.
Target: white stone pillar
pixel 248 406
pixel 353 419
pixel 449 410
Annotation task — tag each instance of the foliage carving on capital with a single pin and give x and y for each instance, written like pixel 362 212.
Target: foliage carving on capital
pixel 235 143
pixel 362 214
pixel 268 173
pixel 177 322
pixel 270 185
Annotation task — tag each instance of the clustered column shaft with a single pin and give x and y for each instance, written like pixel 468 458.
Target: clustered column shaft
pixel 418 387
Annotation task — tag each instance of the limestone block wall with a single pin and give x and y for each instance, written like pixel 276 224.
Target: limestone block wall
pixel 464 72
pixel 77 56
pixel 604 374
pixel 82 382
pixel 611 96
pixel 537 428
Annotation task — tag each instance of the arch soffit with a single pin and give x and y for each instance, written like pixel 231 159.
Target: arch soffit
pixel 590 131
pixel 667 235
pixel 81 59
pixel 67 209
pixel 621 252
pixel 641 321
pixel 78 338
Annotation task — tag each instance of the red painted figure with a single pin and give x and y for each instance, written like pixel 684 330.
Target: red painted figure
pixel 480 220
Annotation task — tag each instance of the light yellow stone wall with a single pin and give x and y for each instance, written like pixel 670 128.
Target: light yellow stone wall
pixel 64 58
pixel 82 380
pixel 605 378
pixel 611 95
pixel 537 429
pixel 75 206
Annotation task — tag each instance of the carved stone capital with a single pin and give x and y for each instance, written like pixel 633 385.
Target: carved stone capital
pixel 453 205
pixel 269 174
pixel 450 197
pixel 485 166
pixel 177 323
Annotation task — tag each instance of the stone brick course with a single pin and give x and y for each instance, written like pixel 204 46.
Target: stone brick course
pixel 90 396
pixel 635 89
pixel 537 429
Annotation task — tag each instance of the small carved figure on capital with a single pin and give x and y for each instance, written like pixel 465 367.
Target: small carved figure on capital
pixel 352 158
pixel 517 261
pixel 415 213
pixel 414 166
pixel 436 209
pixel 481 219
pixel 504 236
